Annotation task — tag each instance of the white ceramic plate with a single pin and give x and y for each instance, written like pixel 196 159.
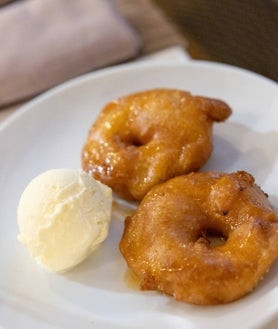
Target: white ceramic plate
pixel 49 133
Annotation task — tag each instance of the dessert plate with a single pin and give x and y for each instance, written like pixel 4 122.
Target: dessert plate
pixel 49 132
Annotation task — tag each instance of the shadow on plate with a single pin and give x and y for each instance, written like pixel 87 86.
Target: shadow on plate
pixel 237 147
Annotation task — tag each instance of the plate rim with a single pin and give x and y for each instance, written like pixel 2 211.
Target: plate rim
pixel 102 72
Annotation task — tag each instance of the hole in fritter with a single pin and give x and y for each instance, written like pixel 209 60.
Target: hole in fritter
pixel 213 237
pixel 126 141
pixel 135 142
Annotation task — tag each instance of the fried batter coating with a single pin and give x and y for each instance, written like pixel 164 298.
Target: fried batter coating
pixel 168 241
pixel 146 138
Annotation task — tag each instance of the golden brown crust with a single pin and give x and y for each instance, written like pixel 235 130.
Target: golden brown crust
pixel 167 241
pixel 146 138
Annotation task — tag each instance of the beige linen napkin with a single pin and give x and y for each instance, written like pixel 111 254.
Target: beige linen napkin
pixel 45 42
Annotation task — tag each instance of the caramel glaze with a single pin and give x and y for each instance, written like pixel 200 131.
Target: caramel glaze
pixel 167 241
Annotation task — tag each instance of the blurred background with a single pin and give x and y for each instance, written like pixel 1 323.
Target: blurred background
pixel 46 42
pixel 238 32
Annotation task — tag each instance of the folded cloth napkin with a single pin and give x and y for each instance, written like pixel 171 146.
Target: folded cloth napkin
pixel 45 42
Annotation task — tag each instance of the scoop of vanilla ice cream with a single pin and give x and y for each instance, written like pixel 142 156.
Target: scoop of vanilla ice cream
pixel 63 215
